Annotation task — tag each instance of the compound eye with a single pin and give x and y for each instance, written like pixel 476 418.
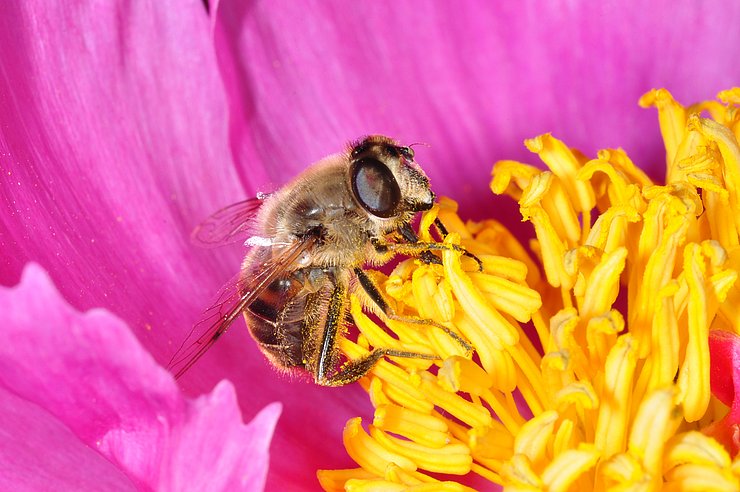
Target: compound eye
pixel 375 187
pixel 407 152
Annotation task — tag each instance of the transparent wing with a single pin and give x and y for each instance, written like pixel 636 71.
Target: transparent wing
pixel 233 298
pixel 229 225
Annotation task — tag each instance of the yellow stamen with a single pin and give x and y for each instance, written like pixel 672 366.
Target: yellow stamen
pixel 417 426
pixel 603 284
pixel 565 165
pixel 510 177
pixel 335 480
pixel 359 485
pixel 453 458
pixel 614 411
pixel 580 394
pixel 492 443
pixel 375 390
pixel 672 118
pixel 601 334
pixel 518 474
pixel 622 470
pixel 704 478
pixel 471 414
pixel 487 319
pixel 693 379
pixel 552 247
pixel 730 152
pixel 534 435
pixel 567 468
pixel 368 453
pixel 652 426
pixel 459 374
pixel 565 437
pixel 396 474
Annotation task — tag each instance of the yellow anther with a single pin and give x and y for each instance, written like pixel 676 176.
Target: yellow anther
pixel 335 480
pixel 653 425
pixel 695 447
pixel 419 427
pixel 693 378
pixel 580 394
pixel 453 458
pixel 367 453
pixel 614 411
pixel 564 164
pixel 471 414
pixel 535 435
pixel 672 118
pixel 460 374
pixel 565 469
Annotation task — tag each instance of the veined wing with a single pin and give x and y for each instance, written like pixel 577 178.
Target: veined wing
pixel 234 298
pixel 231 224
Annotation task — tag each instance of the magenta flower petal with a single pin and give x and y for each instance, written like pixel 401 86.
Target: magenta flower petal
pixel 87 373
pixel 39 452
pixel 724 351
pixel 113 146
pixel 472 79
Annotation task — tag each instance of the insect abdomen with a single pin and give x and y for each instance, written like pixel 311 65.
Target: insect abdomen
pixel 275 320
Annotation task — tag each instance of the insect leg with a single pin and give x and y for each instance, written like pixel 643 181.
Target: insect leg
pixel 441 227
pixel 334 318
pixel 419 249
pixel 410 236
pixel 424 252
pixel 374 294
pixel 355 369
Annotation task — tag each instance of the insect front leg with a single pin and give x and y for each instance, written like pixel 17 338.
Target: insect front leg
pixel 412 246
pixel 377 298
pixel 410 236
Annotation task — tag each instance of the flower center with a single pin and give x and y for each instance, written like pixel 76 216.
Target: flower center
pixel 591 365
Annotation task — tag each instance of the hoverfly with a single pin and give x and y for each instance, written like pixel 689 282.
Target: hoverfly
pixel 309 242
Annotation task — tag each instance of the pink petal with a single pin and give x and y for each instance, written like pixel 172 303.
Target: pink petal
pixel 113 146
pixel 724 349
pixel 88 372
pixel 724 352
pixel 471 79
pixel 241 461
pixel 38 452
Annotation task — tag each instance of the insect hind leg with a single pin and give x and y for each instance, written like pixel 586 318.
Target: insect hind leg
pixel 374 294
pixel 357 368
pixel 352 370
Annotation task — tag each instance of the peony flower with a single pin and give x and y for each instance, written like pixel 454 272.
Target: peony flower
pixel 601 395
pixel 122 125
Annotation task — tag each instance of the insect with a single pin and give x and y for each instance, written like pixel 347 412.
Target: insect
pixel 308 243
